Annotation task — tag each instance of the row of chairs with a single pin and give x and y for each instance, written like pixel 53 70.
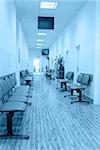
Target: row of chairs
pixel 13 99
pixel 68 79
pixel 26 78
pixel 49 74
pixel 83 81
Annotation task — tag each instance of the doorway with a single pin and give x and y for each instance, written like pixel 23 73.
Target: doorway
pixel 77 68
pixel 36 65
pixel 66 61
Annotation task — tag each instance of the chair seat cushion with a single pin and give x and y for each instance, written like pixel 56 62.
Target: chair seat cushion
pixel 13 107
pixel 17 99
pixel 77 87
pixel 24 94
pixel 63 80
pixel 23 87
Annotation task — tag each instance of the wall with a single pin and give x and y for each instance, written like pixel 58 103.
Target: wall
pixel 12 41
pixel 97 56
pixel 22 53
pixel 7 37
pixel 80 32
pixel 22 48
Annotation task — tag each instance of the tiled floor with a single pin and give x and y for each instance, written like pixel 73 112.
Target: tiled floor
pixel 53 123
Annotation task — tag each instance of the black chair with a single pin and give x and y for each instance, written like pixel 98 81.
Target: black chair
pixel 70 76
pixel 68 79
pixel 10 108
pixel 83 80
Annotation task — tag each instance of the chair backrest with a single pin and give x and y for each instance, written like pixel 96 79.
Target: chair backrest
pixel 11 78
pixel 85 79
pixel 1 92
pixel 14 80
pixel 69 75
pixel 23 74
pixel 79 78
pixel 1 95
pixel 4 86
pixel 27 71
pixel 9 83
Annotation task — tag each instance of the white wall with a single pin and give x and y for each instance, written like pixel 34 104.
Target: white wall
pixel 7 37
pixel 97 56
pixel 79 32
pixel 22 52
pixel 12 40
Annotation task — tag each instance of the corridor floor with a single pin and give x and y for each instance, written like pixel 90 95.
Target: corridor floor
pixel 53 123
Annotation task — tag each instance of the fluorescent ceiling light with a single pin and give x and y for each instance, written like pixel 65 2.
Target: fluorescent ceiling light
pixel 39 44
pixel 40 40
pixel 41 33
pixel 38 47
pixel 48 5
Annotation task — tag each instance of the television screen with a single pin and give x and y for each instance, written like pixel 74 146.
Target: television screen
pixel 45 22
pixel 45 51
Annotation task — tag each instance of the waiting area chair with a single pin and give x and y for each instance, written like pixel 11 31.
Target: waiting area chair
pixel 68 79
pixel 83 81
pixel 12 100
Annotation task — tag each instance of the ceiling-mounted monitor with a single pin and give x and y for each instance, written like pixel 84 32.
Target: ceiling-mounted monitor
pixel 45 22
pixel 45 52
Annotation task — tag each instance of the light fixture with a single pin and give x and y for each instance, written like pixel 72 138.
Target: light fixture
pixel 41 33
pixel 48 5
pixel 39 44
pixel 38 47
pixel 40 40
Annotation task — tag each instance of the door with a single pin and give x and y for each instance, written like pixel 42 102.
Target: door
pixel 77 68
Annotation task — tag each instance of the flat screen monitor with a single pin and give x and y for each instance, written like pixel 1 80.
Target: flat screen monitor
pixel 45 22
pixel 45 52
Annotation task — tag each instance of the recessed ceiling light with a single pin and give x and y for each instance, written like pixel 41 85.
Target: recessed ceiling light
pixel 48 5
pixel 39 44
pixel 40 40
pixel 38 47
pixel 41 33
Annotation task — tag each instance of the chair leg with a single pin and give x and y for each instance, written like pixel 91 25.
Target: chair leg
pixel 10 134
pixel 80 101
pixel 69 94
pixel 80 98
pixel 61 85
pixel 65 86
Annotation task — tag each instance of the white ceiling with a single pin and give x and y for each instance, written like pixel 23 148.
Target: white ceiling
pixel 28 11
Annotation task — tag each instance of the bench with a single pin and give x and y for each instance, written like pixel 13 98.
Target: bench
pixel 10 107
pixel 20 95
pixel 26 78
pixel 83 81
pixel 68 79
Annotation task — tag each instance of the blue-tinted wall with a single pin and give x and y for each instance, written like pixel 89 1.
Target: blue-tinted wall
pixel 13 45
pixel 76 44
